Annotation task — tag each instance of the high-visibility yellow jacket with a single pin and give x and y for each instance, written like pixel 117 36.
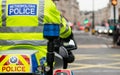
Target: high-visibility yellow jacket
pixel 24 20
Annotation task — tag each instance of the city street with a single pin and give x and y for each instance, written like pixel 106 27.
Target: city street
pixel 95 56
pixel 36 37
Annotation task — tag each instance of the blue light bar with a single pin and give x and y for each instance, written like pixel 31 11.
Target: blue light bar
pixel 51 30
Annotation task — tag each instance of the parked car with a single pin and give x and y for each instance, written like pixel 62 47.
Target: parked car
pixel 110 32
pixel 102 29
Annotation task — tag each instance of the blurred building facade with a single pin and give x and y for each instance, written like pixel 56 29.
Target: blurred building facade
pixel 107 13
pixel 111 11
pixel 100 15
pixel 69 9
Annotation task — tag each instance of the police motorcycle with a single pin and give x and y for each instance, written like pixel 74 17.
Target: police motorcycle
pixel 26 60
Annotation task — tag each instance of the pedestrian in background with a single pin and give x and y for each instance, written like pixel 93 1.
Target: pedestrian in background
pixel 116 34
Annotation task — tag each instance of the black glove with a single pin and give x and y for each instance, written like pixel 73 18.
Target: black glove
pixel 68 38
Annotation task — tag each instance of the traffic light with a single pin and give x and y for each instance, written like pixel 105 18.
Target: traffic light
pixel 114 2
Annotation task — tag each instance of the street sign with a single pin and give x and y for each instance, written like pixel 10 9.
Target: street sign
pixel 86 21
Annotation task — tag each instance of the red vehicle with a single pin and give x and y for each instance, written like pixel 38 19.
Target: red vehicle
pixel 81 27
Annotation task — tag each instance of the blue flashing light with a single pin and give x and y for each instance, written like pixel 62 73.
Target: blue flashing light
pixel 51 30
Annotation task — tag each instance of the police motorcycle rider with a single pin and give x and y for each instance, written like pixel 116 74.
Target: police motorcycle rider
pixel 23 20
